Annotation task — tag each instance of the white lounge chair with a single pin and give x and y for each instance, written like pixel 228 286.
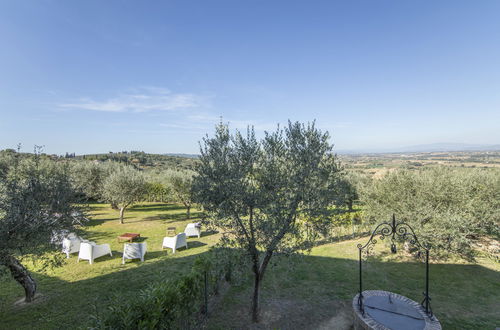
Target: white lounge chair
pixel 193 229
pixel 90 251
pixel 175 242
pixel 71 244
pixel 134 251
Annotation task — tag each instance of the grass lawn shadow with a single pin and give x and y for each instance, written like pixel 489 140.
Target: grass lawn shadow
pixel 154 207
pixel 209 233
pixel 95 293
pixel 316 292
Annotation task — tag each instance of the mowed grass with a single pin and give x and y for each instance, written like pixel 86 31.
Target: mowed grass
pixel 301 292
pixel 71 292
pixel 315 291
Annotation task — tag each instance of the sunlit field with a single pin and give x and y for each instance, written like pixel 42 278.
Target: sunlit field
pixel 71 292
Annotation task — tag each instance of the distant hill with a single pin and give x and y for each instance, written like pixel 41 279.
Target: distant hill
pixel 449 147
pixel 183 155
pixel 143 159
pixel 432 147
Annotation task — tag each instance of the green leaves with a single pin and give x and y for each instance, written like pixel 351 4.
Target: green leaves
pixel 181 185
pixel 256 189
pixel 170 304
pixel 124 186
pixel 446 206
pixel 36 200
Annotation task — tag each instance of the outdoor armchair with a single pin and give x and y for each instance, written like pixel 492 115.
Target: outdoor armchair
pixel 71 244
pixel 90 251
pixel 193 229
pixel 134 251
pixel 175 242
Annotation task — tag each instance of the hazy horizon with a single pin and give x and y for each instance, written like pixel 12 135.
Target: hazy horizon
pixel 425 148
pixel 93 77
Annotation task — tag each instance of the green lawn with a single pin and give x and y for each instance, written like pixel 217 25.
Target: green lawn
pixel 69 292
pixel 316 291
pixel 313 291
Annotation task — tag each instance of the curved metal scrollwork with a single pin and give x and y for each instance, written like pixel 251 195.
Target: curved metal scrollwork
pixel 394 230
pixel 384 229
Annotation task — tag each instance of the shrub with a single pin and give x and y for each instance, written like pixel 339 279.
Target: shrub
pixel 170 304
pixel 446 207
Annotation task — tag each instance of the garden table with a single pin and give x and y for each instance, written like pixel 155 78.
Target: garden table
pixel 128 237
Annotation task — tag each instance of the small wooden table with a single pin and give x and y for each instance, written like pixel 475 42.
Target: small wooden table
pixel 128 237
pixel 171 230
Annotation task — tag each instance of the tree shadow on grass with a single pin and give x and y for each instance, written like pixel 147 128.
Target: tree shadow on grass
pixel 144 208
pixel 208 233
pixel 97 235
pixel 313 292
pixel 169 218
pixel 95 214
pixel 69 304
pixel 98 222
pixel 94 207
pixel 155 207
pixel 195 244
pixel 100 259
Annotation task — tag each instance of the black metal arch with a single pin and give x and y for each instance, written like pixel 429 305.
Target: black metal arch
pixel 401 230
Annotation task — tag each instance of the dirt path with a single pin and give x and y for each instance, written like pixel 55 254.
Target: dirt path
pixel 281 313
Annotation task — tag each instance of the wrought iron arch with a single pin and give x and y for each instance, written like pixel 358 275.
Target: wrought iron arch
pixel 395 230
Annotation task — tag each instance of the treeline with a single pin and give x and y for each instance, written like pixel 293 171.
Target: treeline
pixel 142 159
pixel 120 179
pixel 139 159
pixel 122 185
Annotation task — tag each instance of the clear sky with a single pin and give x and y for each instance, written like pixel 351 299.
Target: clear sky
pixel 98 76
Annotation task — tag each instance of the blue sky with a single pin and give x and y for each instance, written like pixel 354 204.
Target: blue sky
pixel 99 76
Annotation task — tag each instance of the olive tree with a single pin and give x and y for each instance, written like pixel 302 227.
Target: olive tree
pixel 123 187
pixel 261 194
pixel 447 207
pixel 181 186
pixel 88 177
pixel 351 183
pixel 158 188
pixel 37 202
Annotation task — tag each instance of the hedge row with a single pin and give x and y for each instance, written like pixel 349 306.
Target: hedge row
pixel 173 304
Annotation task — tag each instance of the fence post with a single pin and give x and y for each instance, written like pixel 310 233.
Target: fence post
pixel 205 307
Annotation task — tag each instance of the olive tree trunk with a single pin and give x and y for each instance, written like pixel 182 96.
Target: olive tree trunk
pixel 122 210
pixel 350 203
pixel 255 299
pixel 23 277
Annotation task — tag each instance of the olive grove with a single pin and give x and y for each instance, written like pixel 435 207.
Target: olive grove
pixel 448 207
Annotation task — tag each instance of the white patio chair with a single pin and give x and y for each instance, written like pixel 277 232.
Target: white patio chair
pixel 134 251
pixel 175 242
pixel 90 251
pixel 193 229
pixel 71 244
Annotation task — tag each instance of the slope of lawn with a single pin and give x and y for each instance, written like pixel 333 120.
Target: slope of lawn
pixel 72 291
pixel 316 291
pixel 302 292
